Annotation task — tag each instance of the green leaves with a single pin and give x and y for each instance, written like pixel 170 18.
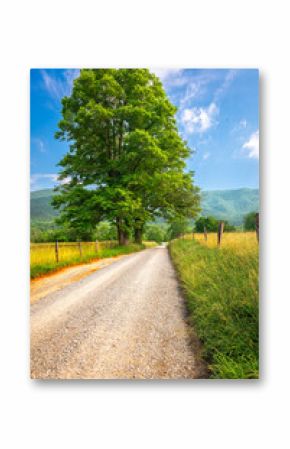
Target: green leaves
pixel 250 221
pixel 211 225
pixel 125 148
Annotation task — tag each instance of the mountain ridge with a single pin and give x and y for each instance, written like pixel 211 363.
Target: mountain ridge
pixel 228 204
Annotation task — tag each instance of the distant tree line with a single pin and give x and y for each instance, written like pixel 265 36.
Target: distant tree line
pixel 211 225
pixel 158 232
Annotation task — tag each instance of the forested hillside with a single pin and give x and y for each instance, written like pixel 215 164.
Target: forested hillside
pixel 40 205
pixel 230 205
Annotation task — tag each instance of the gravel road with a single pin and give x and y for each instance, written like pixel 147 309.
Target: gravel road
pixel 50 283
pixel 125 321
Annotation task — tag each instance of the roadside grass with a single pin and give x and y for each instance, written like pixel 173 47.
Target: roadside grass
pixel 221 289
pixel 240 242
pixel 42 258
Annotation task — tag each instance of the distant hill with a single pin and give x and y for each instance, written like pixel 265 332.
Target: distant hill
pixel 229 205
pixel 40 205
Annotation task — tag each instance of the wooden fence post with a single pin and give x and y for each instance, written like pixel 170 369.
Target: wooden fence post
pixel 97 246
pixel 257 225
pixel 220 232
pixel 205 233
pixel 192 235
pixel 80 248
pixel 56 251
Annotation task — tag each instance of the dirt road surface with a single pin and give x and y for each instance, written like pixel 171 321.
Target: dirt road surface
pixel 42 286
pixel 124 321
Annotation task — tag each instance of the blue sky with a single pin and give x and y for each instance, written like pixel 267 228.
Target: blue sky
pixel 218 115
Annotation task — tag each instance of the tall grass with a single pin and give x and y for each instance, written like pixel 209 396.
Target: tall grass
pixel 240 242
pixel 43 259
pixel 221 288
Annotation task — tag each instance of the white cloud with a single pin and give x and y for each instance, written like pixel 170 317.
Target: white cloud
pixel 165 73
pixel 192 91
pixel 46 180
pixel 170 77
pixel 199 120
pixel 196 86
pixel 231 74
pixel 35 177
pixel 206 156
pixel 239 127
pixel 43 180
pixel 52 85
pixel 39 144
pixel 70 75
pixel 60 86
pixel 65 180
pixel 252 145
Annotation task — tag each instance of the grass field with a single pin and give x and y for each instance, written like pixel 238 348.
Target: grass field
pixel 43 258
pixel 221 289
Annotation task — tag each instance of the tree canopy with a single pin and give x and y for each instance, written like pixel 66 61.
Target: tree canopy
pixel 157 232
pixel 126 159
pixel 178 227
pixel 250 221
pixel 211 225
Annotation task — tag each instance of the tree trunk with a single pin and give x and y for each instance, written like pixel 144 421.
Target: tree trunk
pixel 138 231
pixel 123 235
pixel 138 235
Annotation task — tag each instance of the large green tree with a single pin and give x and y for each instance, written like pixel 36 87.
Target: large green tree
pixel 250 221
pixel 126 159
pixel 211 224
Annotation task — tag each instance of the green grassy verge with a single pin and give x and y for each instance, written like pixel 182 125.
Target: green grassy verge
pixel 37 270
pixel 221 289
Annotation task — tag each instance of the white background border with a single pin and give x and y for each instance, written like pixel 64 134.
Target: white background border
pixel 206 34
